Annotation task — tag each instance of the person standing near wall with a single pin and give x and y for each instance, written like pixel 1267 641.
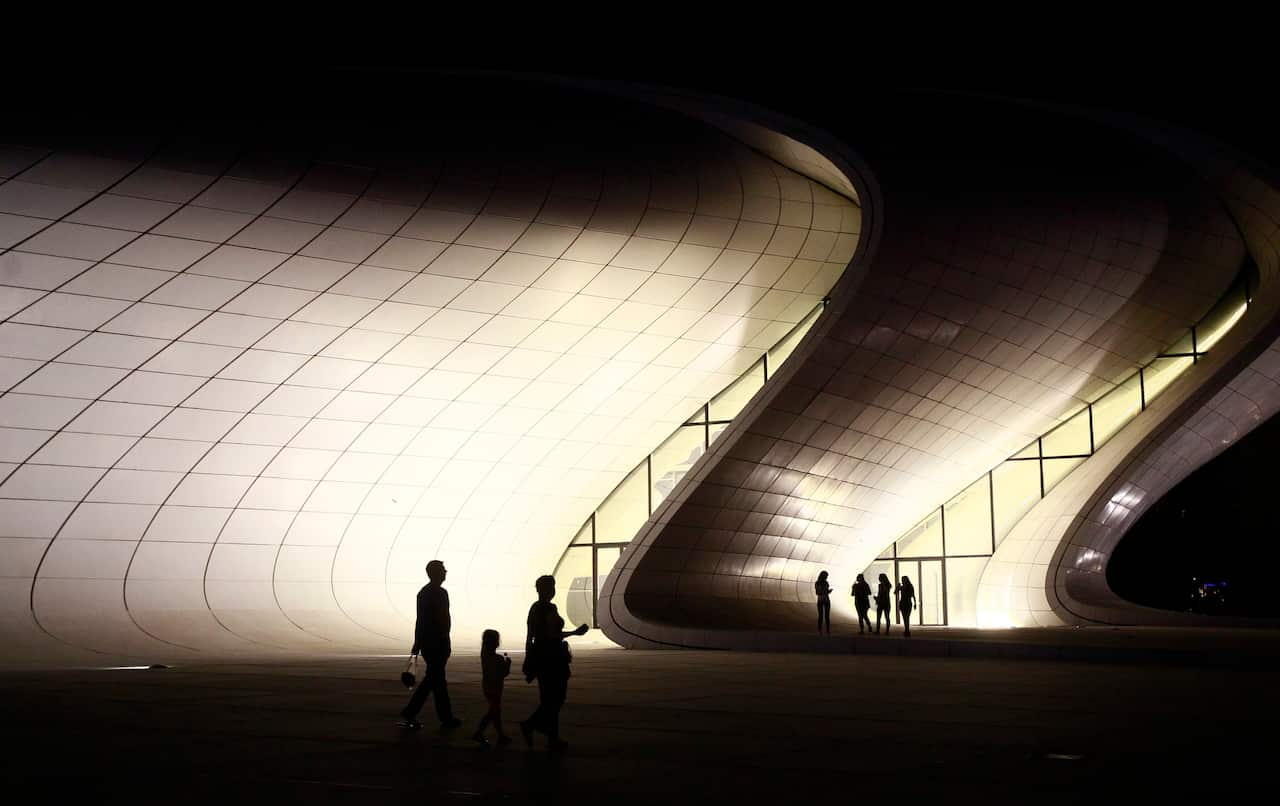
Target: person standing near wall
pixel 862 603
pixel 906 603
pixel 823 589
pixel 883 589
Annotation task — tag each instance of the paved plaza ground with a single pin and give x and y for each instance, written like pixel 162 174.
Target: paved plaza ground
pixel 661 727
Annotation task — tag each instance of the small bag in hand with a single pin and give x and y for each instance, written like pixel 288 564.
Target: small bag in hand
pixel 407 677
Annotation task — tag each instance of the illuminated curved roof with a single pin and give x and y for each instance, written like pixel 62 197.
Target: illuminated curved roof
pixel 248 394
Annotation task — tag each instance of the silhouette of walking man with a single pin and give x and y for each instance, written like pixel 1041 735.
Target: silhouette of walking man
pixel 823 589
pixel 431 640
pixel 883 589
pixel 906 603
pixel 862 602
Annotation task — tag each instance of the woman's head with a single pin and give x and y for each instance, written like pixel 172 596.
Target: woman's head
pixel 546 587
pixel 906 580
pixel 884 578
pixel 489 640
pixel 860 579
pixel 822 577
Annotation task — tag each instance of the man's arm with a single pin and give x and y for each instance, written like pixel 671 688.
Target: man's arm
pixel 443 622
pixel 422 622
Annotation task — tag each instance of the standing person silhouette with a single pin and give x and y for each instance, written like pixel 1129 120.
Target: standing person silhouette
pixel 431 640
pixel 862 602
pixel 883 588
pixel 547 657
pixel 906 603
pixel 823 589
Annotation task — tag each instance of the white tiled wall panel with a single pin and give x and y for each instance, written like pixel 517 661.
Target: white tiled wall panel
pixel 245 397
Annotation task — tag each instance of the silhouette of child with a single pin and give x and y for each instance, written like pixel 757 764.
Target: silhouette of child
pixel 494 669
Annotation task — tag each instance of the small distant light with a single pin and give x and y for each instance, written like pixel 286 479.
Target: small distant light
pixel 1063 756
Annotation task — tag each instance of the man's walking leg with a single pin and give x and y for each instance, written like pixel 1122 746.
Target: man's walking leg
pixel 417 700
pixel 435 675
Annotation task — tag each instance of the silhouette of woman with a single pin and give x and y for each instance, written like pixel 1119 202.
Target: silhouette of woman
pixel 862 602
pixel 882 603
pixel 906 603
pixel 823 589
pixel 547 658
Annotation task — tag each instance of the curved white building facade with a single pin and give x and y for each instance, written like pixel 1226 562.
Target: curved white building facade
pixel 248 391
pixel 247 396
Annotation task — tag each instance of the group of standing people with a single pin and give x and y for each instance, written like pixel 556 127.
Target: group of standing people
pixel 546 659
pixel 906 599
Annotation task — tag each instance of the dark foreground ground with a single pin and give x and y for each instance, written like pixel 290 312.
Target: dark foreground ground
pixel 654 727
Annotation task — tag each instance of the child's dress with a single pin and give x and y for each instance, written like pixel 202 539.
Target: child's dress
pixel 495 668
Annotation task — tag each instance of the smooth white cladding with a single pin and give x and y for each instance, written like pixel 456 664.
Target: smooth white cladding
pixel 243 406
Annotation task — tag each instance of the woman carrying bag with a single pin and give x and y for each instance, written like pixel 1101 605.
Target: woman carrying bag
pixel 547 658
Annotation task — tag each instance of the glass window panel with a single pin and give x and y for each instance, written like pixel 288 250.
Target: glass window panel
pixel 1220 319
pixel 779 352
pixel 1115 409
pixel 606 559
pixel 1182 345
pixel 699 417
pixel 924 539
pixel 1056 469
pixel 872 575
pixel 626 509
pixel 717 430
pixel 1157 376
pixel 1017 489
pixel 928 584
pixel 727 404
pixel 1069 439
pixel 963 576
pixel 673 459
pixel 573 586
pixel 968 520
pixel 583 537
pixel 1032 451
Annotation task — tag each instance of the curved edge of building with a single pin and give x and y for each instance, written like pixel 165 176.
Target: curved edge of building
pixel 825 159
pixel 1051 569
